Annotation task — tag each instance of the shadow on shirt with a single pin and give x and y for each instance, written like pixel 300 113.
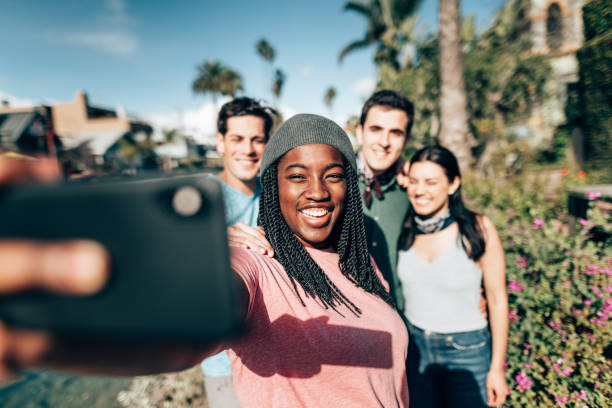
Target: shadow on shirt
pixel 298 348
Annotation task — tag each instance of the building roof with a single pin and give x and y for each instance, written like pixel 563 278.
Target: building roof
pixel 12 125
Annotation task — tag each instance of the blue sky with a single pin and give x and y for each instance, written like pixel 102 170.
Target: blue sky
pixel 143 55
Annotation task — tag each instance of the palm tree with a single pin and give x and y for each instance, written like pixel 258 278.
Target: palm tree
pixel 215 78
pixel 388 28
pixel 454 133
pixel 277 84
pixel 268 54
pixel 329 97
pixel 265 50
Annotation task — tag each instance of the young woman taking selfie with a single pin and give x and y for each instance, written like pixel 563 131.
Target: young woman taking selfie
pixel 320 328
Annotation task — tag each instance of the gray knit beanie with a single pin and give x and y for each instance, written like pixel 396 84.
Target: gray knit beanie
pixel 304 129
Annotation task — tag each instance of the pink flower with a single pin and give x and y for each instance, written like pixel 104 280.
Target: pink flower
pixel 588 302
pixel 566 372
pixel 523 381
pixel 513 314
pixel 609 289
pixel 595 289
pixel 584 222
pixel 594 195
pixel 583 394
pixel 514 286
pixel 538 223
pixel 555 325
pixel 561 400
pixel 591 270
pixel 522 262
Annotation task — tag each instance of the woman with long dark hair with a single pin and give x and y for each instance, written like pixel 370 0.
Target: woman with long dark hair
pixel 321 328
pixel 446 253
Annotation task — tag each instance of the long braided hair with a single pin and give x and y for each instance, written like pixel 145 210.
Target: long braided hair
pixel 349 238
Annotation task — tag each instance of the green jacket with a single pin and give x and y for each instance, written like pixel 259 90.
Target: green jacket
pixel 384 221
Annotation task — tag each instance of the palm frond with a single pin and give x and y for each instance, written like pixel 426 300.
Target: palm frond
pixel 360 7
pixel 355 45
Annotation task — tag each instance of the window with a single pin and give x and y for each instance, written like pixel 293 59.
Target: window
pixel 554 27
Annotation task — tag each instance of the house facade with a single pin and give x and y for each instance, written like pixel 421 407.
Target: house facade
pixel 78 122
pixel 80 132
pixel 557 32
pixel 28 130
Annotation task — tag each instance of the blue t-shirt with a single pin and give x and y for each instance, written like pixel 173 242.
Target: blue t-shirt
pixel 239 207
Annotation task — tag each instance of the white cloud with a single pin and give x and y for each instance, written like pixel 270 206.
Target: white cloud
pixel 114 38
pixel 112 42
pixel 287 111
pixel 306 71
pixel 364 87
pixel 16 102
pixel 116 13
pixel 117 6
pixel 341 119
pixel 201 122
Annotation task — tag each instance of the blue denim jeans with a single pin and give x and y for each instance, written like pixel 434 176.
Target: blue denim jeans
pixel 448 369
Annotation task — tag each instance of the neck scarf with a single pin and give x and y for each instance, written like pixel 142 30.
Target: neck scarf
pixel 434 224
pixel 373 183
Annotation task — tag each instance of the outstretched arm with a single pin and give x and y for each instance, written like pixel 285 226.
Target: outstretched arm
pixel 67 267
pixel 77 268
pixel 130 359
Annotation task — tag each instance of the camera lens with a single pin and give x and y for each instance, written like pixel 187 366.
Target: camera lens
pixel 187 201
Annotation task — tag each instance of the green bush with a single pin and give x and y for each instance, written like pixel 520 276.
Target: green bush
pixel 559 287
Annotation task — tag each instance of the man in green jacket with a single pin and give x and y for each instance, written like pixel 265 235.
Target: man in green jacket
pixel 384 129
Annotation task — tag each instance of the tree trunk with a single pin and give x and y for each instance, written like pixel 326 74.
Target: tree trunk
pixel 454 130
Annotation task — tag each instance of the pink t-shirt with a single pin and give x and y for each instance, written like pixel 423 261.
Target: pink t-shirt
pixel 296 356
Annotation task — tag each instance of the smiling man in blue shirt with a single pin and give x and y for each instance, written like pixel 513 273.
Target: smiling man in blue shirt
pixel 243 128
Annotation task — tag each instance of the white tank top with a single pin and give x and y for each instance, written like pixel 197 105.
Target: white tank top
pixel 442 295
